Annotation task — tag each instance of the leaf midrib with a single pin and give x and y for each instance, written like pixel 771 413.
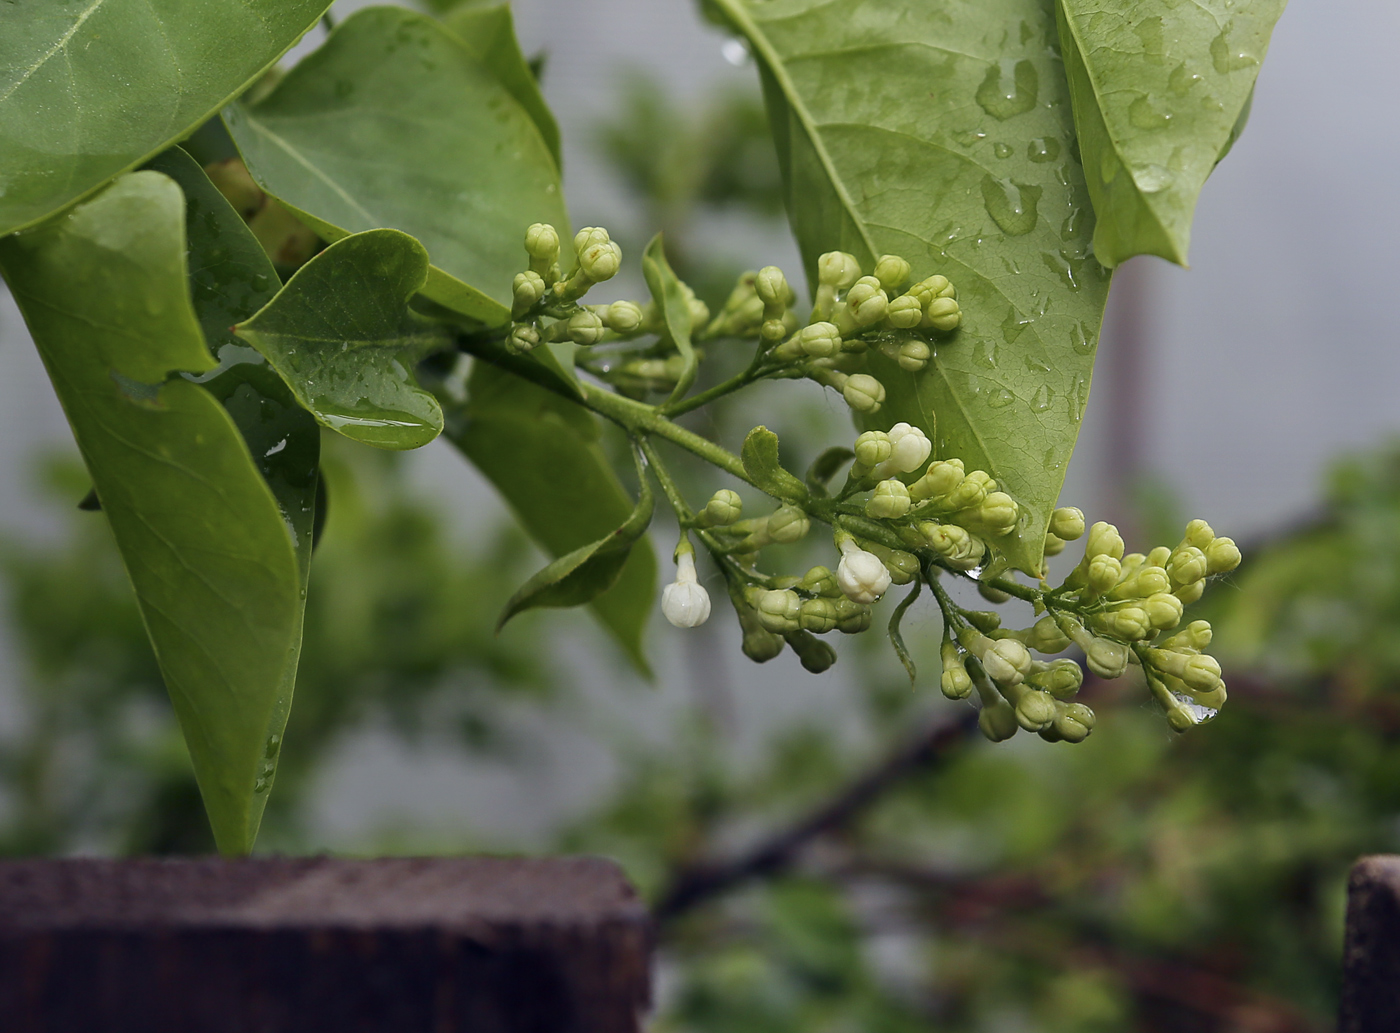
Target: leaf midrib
pixel 59 45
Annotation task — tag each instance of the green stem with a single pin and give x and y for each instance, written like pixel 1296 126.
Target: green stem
pixel 640 418
pixel 727 387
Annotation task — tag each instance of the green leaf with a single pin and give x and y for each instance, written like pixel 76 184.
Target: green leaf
pixel 914 130
pixel 230 278
pixel 393 123
pixel 897 634
pixel 825 467
pixel 342 337
pixel 1160 90
pixel 104 293
pixel 669 297
pixel 541 452
pixel 582 575
pixel 90 89
pixel 488 32
pixel 765 469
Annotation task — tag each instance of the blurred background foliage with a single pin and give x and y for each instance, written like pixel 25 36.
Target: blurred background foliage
pixel 1140 881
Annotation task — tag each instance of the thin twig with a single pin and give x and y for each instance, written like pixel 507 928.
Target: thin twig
pixel 698 882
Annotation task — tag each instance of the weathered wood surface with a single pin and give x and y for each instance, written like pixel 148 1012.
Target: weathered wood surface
pixel 281 945
pixel 1371 955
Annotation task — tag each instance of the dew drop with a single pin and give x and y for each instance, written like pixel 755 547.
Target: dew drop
pixel 1013 326
pixel 1042 399
pixel 1012 206
pixel 1072 228
pixel 1009 90
pixel 1153 179
pixel 1182 79
pixel 1043 149
pixel 1143 114
pixel 986 354
pixel 1002 150
pixel 1228 57
pixel 1080 340
pixel 1209 103
pixel 1000 398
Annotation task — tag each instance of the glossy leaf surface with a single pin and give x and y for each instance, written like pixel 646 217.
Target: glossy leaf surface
pixel 669 297
pixel 393 123
pixel 231 278
pixel 941 131
pixel 342 337
pixel 92 88
pixel 104 293
pixel 765 468
pixel 488 30
pixel 1160 91
pixel 541 452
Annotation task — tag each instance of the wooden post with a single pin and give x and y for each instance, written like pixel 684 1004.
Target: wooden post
pixel 1371 954
pixel 283 945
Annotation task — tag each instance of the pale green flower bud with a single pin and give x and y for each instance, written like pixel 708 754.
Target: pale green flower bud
pixel 864 393
pixel 1222 556
pixel 1047 637
pixel 821 581
pixel 853 617
pixel 1067 523
pixel 1146 581
pixel 942 477
pixel 1104 540
pixel 942 314
pixel 998 513
pixel 1187 565
pixel 772 287
pixel 873 448
pixel 1061 678
pixel 1199 534
pixel 998 721
pixel 816 656
pixel 935 286
pixel 788 524
pixel 1106 658
pixel 1195 637
pixel 684 602
pixel 913 356
pixel 1129 624
pixel 723 509
pixel 890 501
pixel 861 575
pixel 1188 594
pixel 1074 722
pixel 956 545
pixel 1158 557
pixel 527 290
pixel 892 271
pixel 585 327
pixel 903 566
pixel 971 492
pixel 542 245
pixel 1199 672
pixel 985 621
pixel 1103 574
pixel 905 312
pixel 910 448
pixel 1034 709
pixel 819 340
pixel 1053 545
pixel 772 330
pixel 1163 610
pixel 623 316
pixel 779 610
pixel 954 682
pixel 866 302
pixel 991 593
pixel 522 339
pixel 760 645
pixel 699 311
pixel 818 615
pixel 837 269
pixel 588 236
pixel 601 262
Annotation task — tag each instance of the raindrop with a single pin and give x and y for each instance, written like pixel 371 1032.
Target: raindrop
pixel 1227 57
pixel 1001 398
pixel 1012 206
pixel 1042 399
pixel 1153 179
pixel 1043 149
pixel 1143 114
pixel 1182 80
pixel 1002 150
pixel 1009 90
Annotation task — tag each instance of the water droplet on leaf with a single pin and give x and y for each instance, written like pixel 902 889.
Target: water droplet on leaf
pixel 1009 90
pixel 1012 206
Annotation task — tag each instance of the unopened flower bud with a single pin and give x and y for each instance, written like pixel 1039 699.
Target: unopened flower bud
pixel 956 545
pixel 1067 523
pixel 864 393
pixel 818 615
pixel 685 602
pixel 1106 658
pixel 772 287
pixel 943 314
pixel 760 645
pixel 873 448
pixel 985 621
pixel 527 290
pixel 523 337
pixel 853 618
pixel 816 656
pixel 1006 661
pixel 1158 557
pixel 779 610
pixel 861 575
pixel 905 312
pixel 1054 545
pixel 820 581
pixel 1128 624
pixel 788 524
pixel 542 245
pixel 866 301
pixel 723 509
pixel 1047 637
pixel 998 721
pixel 1074 722
pixel 1187 565
pixel 1197 671
pixel 1034 709
pixel 837 269
pixel 971 491
pixel 890 501
pixel 588 236
pixel 935 286
pixel 601 261
pixel 1199 534
pixel 1188 594
pixel 585 327
pixel 911 448
pixel 892 271
pixel 623 316
pixel 1222 556
pixel 954 681
pixel 998 513
pixel 1144 582
pixel 1061 678
pixel 942 477
pixel 1195 637
pixel 819 340
pixel 1163 610
pixel 1103 573
pixel 913 356
pixel 1104 540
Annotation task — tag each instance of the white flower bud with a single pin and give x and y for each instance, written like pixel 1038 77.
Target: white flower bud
pixel 1006 661
pixel 837 269
pixel 585 327
pixel 911 448
pixel 623 316
pixel 942 477
pixel 860 574
pixel 892 271
pixel 873 448
pixel 905 312
pixel 819 340
pixel 1067 523
pixel 526 291
pixel 942 314
pixel 864 393
pixel 890 501
pixel 684 602
pixel 601 261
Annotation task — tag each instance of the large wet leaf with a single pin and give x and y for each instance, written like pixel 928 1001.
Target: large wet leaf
pixel 103 290
pixel 1160 89
pixel 231 278
pixel 541 452
pixel 342 337
pixel 91 88
pixel 393 123
pixel 668 295
pixel 488 30
pixel 941 131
